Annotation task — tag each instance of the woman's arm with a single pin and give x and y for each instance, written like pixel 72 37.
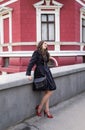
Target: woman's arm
pixel 31 63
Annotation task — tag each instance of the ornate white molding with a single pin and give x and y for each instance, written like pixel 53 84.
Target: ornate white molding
pixel 56 45
pixel 82 10
pixel 5 10
pixel 80 2
pixel 8 3
pixel 40 4
pixel 82 16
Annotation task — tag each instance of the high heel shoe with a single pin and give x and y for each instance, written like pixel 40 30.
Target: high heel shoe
pixel 48 115
pixel 37 111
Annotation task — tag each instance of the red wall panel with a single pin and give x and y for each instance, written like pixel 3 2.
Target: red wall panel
pixel 6 30
pixel 69 60
pixel 16 25
pixel 69 47
pixel 28 20
pixel 70 21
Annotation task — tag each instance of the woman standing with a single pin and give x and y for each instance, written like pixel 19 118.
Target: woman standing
pixel 40 58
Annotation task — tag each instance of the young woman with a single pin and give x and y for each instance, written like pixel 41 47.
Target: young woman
pixel 40 58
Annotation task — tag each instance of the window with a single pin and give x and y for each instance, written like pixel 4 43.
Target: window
pixel 48 27
pixel 83 30
pixel 48 21
pixel 5 26
pixel 6 61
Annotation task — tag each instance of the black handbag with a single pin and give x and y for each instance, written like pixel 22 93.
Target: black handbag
pixel 40 83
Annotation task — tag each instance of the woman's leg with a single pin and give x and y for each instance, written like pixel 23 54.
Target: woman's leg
pixel 47 106
pixel 45 100
pixel 47 103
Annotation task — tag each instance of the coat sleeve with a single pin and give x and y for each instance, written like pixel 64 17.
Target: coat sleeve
pixel 31 63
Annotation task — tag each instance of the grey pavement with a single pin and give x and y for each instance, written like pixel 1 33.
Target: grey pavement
pixel 68 115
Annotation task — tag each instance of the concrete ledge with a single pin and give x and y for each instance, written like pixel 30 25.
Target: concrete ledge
pixel 17 79
pixel 18 101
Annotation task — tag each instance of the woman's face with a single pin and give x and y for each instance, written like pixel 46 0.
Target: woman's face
pixel 44 46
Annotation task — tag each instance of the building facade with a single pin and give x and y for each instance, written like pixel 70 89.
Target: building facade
pixel 24 23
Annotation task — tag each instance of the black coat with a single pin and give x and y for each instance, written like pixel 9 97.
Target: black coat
pixel 41 70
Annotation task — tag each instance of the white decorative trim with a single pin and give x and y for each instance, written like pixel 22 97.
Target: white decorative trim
pixel 8 3
pixel 56 45
pixel 35 43
pixel 4 73
pixel 82 15
pixel 80 2
pixel 1 0
pixel 58 4
pixel 82 10
pixel 47 2
pixel 1 30
pixel 23 44
pixel 52 53
pixel 38 23
pixel 5 10
pixel 10 27
pixel 80 26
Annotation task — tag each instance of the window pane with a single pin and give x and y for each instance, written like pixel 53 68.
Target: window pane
pixel 51 18
pixel 83 34
pixel 83 22
pixel 44 31
pixel 47 26
pixel 44 18
pixel 51 31
pixel 6 61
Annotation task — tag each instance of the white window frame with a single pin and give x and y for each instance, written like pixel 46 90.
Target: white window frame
pixel 6 13
pixel 51 9
pixel 82 16
pixel 1 0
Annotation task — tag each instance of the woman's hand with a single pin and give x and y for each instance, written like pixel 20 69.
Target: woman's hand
pixel 30 77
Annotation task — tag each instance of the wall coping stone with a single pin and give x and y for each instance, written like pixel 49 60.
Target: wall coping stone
pixel 19 79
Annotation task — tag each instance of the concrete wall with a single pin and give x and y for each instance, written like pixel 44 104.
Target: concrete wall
pixel 18 101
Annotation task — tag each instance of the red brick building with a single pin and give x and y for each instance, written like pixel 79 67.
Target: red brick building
pixel 23 23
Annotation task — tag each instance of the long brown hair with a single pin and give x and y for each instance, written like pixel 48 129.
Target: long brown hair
pixel 43 52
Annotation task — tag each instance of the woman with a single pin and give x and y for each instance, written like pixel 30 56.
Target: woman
pixel 40 58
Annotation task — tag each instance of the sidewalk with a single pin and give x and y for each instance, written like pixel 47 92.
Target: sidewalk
pixel 68 115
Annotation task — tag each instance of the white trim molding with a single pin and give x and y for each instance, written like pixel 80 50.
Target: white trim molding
pixel 8 3
pixel 40 3
pixel 52 53
pixel 1 0
pixel 82 16
pixel 48 9
pixel 80 2
pixel 5 10
pixel 55 44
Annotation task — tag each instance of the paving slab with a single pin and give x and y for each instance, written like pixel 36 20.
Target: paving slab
pixel 68 115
